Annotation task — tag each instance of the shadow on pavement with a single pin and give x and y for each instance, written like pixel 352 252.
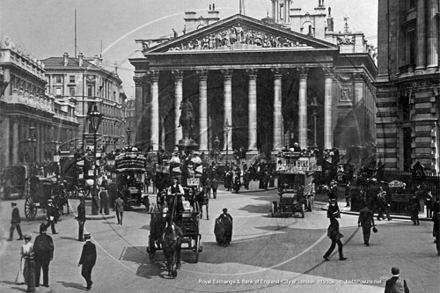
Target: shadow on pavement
pixel 72 285
pixel 69 238
pixel 19 289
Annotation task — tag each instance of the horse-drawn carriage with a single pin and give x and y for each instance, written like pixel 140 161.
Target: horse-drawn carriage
pixel 295 184
pixel 181 217
pixel 174 222
pixel 41 190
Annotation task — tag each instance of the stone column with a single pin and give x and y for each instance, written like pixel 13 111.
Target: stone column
pixel 252 139
pixel 4 142
pixel 421 35
pixel 433 30
pixel 178 96
pixel 227 76
pixel 277 113
pixel 14 142
pixel 302 108
pixel 328 102
pixel 139 103
pixel 154 79
pixel 203 109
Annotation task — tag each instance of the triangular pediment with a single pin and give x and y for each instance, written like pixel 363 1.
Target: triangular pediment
pixel 238 32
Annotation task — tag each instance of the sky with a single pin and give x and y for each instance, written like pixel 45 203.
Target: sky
pixel 46 28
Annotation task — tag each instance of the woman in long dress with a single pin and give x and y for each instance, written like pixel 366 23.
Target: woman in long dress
pixel 27 254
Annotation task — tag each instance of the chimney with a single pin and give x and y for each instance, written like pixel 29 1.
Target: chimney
pixel 80 59
pixel 116 67
pixel 66 60
pixel 329 20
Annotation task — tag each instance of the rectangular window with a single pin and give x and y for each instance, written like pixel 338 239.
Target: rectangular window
pixel 72 91
pixel 90 90
pixel 58 79
pixel 72 78
pixel 412 47
pixel 58 91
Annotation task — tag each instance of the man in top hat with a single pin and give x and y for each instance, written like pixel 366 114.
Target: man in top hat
pixel 52 215
pixel 43 250
pixel 15 222
pixel 88 260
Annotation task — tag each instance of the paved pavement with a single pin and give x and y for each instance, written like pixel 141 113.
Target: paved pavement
pixel 266 254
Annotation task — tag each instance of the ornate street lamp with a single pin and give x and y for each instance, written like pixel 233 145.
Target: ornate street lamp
pixel 95 118
pixel 216 150
pixel 227 127
pixel 33 143
pixel 128 136
pixel 314 114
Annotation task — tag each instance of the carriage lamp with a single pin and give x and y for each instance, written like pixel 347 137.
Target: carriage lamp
pixel 95 120
pixel 227 129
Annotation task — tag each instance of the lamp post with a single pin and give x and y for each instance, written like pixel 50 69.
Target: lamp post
pixel 216 144
pixel 128 136
pixel 33 144
pixel 315 114
pixel 227 128
pixel 95 120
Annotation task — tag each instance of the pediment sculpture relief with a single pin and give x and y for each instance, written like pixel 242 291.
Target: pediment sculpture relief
pixel 237 37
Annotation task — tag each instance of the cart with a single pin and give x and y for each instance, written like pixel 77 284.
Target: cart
pixel 189 224
pixel 42 189
pixel 295 184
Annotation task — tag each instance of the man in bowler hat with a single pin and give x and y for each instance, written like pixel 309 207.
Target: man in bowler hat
pixel 88 260
pixel 333 231
pixel 15 222
pixel 52 215
pixel 366 221
pixel 81 218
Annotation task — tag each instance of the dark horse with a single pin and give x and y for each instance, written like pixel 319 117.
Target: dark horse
pixel 173 234
pixel 186 118
pixel 172 242
pixel 202 199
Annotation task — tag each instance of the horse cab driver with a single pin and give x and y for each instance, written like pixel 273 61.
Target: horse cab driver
pixel 175 187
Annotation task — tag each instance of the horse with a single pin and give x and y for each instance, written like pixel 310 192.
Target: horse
pixel 61 197
pixel 172 235
pixel 203 200
pixel 172 243
pixel 157 226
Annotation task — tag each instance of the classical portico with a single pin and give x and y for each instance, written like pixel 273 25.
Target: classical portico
pixel 258 77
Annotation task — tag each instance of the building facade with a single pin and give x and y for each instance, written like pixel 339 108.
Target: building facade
pixel 408 84
pixel 84 82
pixel 273 84
pixel 32 121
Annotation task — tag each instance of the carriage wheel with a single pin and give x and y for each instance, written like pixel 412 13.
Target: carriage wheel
pixel 29 208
